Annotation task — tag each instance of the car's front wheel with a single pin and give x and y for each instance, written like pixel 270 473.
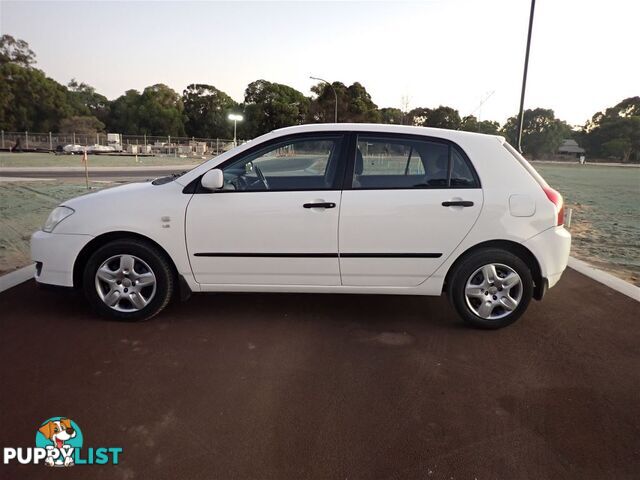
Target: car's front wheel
pixel 491 288
pixel 128 280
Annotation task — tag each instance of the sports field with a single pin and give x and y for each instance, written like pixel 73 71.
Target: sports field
pixel 52 160
pixel 605 223
pixel 606 214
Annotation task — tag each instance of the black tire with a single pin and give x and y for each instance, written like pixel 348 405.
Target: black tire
pixel 470 264
pixel 156 261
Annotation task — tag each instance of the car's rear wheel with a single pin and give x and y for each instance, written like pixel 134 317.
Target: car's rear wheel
pixel 491 288
pixel 128 280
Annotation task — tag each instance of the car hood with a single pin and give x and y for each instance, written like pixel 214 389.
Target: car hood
pixel 107 194
pixel 134 207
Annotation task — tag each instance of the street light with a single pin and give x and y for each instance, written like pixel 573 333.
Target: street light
pixel 335 119
pixel 235 118
pixel 524 77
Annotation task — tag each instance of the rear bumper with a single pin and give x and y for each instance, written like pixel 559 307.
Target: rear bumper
pixel 55 255
pixel 551 248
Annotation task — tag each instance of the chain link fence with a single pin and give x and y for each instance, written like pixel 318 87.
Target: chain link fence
pixel 115 144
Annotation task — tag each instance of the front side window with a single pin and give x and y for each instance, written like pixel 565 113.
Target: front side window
pixel 383 163
pixel 303 164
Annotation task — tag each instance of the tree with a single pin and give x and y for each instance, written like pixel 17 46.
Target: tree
pixel 161 111
pixel 268 106
pixel 542 132
pixel 206 109
pixel 157 111
pixel 441 117
pixel 361 108
pixel 393 116
pixel 124 113
pixel 444 117
pixel 354 104
pixel 615 133
pixel 418 116
pixel 322 108
pixel 85 125
pixel 16 51
pixel 471 124
pixel 84 101
pixel 617 148
pixel 29 100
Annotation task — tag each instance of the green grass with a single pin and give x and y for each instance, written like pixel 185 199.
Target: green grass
pixel 51 160
pixel 605 225
pixel 24 207
pixel 606 213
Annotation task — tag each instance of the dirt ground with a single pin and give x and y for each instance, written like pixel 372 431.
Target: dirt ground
pixel 283 386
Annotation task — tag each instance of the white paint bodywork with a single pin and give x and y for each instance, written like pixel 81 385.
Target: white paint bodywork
pixel 263 222
pixel 363 221
pixel 402 221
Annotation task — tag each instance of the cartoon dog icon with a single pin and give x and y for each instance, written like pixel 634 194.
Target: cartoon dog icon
pixel 58 432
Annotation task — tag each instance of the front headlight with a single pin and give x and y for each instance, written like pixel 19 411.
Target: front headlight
pixel 55 217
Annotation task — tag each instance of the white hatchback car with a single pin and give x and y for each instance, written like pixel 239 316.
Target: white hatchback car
pixel 329 208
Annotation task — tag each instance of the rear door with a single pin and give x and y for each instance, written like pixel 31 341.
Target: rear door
pixel 408 203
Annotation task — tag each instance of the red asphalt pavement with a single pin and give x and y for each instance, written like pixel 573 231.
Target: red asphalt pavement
pixel 291 386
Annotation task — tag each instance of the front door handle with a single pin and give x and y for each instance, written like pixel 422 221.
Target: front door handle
pixel 458 203
pixel 320 205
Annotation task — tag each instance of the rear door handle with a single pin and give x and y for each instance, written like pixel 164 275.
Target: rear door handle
pixel 320 205
pixel 458 203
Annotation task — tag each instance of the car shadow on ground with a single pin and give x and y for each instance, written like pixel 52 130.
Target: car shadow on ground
pixel 206 307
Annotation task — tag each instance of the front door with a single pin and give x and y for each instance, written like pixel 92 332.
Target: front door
pixel 276 220
pixel 411 203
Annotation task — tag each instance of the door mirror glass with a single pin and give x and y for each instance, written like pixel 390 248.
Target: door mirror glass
pixel 213 179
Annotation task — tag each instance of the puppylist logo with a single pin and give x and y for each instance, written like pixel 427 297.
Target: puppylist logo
pixel 59 444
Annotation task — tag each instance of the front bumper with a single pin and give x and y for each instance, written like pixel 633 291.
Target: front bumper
pixel 551 248
pixel 55 254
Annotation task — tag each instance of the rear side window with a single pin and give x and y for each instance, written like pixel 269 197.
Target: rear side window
pixel 403 163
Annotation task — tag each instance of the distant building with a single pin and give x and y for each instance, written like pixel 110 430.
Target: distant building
pixel 570 147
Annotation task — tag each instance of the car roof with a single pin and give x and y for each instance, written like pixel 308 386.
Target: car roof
pixel 381 128
pixel 461 138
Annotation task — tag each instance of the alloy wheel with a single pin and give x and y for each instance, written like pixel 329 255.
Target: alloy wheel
pixel 493 291
pixel 125 283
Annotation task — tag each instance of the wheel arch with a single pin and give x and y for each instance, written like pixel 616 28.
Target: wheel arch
pixel 100 240
pixel 540 283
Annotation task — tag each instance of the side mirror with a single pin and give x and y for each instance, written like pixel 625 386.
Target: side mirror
pixel 213 179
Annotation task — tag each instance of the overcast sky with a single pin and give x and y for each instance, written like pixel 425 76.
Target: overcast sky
pixel 584 54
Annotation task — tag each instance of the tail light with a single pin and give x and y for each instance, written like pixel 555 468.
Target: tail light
pixel 557 200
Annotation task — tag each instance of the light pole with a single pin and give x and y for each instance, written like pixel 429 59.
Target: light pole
pixel 335 116
pixel 235 118
pixel 524 77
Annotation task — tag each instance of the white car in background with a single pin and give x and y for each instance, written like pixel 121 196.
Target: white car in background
pixel 73 149
pixel 329 208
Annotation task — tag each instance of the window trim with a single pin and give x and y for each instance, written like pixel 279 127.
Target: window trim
pixel 341 137
pixel 351 158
